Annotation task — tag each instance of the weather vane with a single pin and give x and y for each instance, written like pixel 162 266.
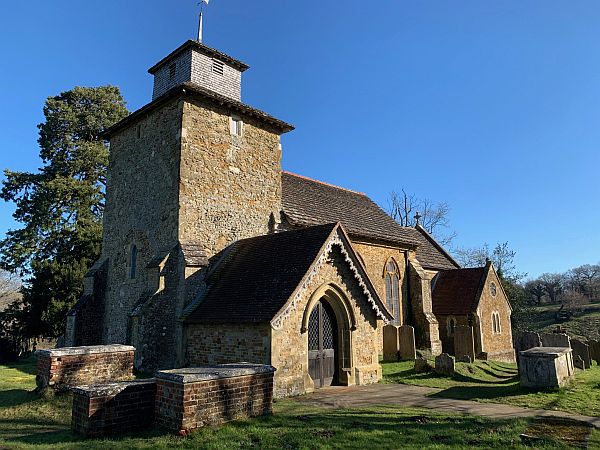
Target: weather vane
pixel 201 4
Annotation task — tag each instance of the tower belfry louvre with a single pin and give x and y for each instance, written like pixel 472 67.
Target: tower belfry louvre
pixel 202 66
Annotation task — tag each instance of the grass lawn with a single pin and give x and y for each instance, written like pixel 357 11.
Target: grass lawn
pixel 27 421
pixel 497 382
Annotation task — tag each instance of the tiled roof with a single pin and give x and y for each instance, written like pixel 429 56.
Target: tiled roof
pixel 432 255
pixel 456 292
pixel 309 202
pixel 259 275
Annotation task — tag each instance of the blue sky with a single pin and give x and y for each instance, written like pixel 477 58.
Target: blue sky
pixel 493 107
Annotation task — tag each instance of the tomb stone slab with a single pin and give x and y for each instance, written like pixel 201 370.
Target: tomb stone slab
pixel 390 343
pixel 406 338
pixel 582 350
pixel 545 367
pixel 444 364
pixel 594 347
pixel 555 340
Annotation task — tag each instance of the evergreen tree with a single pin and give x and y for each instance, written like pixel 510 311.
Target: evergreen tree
pixel 60 206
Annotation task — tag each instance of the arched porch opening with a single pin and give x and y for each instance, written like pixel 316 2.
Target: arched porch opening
pixel 327 323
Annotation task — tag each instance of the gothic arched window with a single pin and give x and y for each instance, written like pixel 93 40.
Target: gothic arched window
pixel 496 327
pixel 392 290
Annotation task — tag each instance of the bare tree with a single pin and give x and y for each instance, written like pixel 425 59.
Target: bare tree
pixel 536 290
pixel 553 284
pixel 408 210
pixel 9 289
pixel 502 256
pixel 585 279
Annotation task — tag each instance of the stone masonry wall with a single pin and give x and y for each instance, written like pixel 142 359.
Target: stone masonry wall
pixel 230 185
pixel 375 258
pixel 141 209
pixel 290 345
pixel 220 344
pixel 497 346
pixel 102 410
pixel 66 367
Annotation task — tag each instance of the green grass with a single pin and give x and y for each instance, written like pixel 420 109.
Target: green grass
pixel 584 324
pixel 30 422
pixel 486 381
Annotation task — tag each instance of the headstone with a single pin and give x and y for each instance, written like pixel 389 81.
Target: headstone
pixel 444 364
pixel 464 344
pixel 582 350
pixel 422 365
pixel 525 340
pixel 555 340
pixel 465 359
pixel 390 343
pixel 545 367
pixel 406 338
pixel 594 347
pixel 579 362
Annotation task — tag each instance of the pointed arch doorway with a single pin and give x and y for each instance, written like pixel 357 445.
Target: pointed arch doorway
pixel 323 349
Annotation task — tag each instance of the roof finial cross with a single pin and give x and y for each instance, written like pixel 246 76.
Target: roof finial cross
pixel 201 3
pixel 418 218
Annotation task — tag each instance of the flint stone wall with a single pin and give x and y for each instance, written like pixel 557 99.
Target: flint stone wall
pixel 546 367
pixel 102 410
pixel 63 368
pixel 191 398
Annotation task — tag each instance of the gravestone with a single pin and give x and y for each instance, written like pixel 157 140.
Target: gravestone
pixel 579 362
pixel 390 343
pixel 422 365
pixel 582 350
pixel 555 340
pixel 525 340
pixel 464 344
pixel 444 364
pixel 406 338
pixel 465 359
pixel 594 347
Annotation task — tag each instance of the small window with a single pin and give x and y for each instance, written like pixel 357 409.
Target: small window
pixel 237 126
pixel 172 71
pixel 496 326
pixel 493 289
pixel 218 67
pixel 133 253
pixel 138 131
pixel 451 326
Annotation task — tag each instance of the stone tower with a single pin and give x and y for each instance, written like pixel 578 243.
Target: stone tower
pixel 189 174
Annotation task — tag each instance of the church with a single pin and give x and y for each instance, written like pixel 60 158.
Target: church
pixel 213 254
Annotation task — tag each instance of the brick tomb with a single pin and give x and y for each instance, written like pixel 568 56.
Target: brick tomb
pixel 194 397
pixel 62 368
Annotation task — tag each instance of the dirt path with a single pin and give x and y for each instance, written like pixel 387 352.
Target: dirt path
pixel 416 396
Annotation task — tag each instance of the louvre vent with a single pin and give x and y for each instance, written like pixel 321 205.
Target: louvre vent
pixel 217 67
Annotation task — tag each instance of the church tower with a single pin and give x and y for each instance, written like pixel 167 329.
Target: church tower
pixel 190 173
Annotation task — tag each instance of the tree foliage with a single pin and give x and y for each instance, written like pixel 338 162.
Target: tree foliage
pixel 60 206
pixel 433 217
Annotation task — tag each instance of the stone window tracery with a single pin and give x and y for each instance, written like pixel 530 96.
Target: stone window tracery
pixel 392 290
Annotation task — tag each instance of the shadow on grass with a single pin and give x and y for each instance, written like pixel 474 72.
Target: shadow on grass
pixel 16 397
pixel 27 366
pixel 482 392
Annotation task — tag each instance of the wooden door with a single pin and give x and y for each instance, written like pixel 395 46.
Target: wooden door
pixel 322 340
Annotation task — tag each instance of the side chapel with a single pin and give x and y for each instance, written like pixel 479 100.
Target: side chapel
pixel 213 254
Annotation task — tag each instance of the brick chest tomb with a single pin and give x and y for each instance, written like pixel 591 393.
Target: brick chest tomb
pixel 194 397
pixel 101 410
pixel 63 368
pixel 545 367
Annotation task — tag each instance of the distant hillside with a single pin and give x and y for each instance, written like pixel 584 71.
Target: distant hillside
pixel 583 324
